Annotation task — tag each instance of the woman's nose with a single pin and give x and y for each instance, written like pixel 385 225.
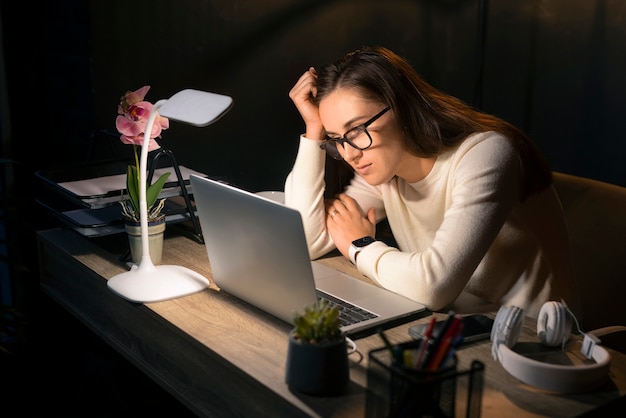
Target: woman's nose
pixel 350 153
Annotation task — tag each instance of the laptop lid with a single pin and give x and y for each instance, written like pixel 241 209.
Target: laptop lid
pixel 258 253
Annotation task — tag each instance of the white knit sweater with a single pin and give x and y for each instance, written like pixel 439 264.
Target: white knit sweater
pixel 461 232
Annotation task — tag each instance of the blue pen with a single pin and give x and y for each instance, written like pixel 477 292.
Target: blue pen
pixel 451 351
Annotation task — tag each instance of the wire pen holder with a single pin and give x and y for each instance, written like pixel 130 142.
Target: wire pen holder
pixel 394 390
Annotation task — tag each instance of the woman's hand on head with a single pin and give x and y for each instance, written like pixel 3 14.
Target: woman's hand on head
pixel 346 222
pixel 302 95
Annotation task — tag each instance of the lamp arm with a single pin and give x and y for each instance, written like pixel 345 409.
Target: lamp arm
pixel 143 179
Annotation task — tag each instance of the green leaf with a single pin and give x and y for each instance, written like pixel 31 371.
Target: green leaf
pixel 319 323
pixel 154 190
pixel 132 185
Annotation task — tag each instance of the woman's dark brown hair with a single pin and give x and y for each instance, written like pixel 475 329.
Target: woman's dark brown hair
pixel 432 121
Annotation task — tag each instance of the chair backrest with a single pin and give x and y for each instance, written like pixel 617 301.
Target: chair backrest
pixel 595 213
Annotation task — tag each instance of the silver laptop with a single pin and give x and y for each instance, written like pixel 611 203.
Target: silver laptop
pixel 258 253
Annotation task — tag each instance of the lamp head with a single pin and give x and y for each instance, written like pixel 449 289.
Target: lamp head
pixel 195 107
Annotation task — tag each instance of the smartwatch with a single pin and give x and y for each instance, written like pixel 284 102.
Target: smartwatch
pixel 357 245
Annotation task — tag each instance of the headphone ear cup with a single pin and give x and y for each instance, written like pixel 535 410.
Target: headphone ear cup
pixel 554 324
pixel 507 326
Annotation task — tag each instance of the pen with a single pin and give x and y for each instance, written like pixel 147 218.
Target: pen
pixel 452 350
pixel 407 358
pixel 432 349
pixel 446 344
pixel 424 344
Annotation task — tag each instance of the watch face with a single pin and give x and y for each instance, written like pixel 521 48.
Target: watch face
pixel 362 242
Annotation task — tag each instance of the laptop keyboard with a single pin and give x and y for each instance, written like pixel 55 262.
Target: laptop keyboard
pixel 348 313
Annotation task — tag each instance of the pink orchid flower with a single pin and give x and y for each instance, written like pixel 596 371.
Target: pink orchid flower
pixel 132 118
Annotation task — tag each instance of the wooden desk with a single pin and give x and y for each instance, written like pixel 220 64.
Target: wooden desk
pixel 221 357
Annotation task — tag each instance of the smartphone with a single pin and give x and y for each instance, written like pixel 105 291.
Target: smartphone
pixel 476 327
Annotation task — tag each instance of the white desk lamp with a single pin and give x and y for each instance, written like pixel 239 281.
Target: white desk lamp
pixel 147 282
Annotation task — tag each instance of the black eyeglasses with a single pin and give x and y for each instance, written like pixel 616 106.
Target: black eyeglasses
pixel 352 137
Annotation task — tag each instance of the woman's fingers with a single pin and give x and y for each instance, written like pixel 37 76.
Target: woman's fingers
pixel 345 201
pixel 305 88
pixel 302 95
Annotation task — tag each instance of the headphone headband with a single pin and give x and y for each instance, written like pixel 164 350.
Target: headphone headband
pixel 553 328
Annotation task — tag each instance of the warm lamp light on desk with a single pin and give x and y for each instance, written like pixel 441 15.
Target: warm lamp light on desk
pixel 147 282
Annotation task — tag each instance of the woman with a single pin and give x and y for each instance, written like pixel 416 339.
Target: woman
pixel 467 196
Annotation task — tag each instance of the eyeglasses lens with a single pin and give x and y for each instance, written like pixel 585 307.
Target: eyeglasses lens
pixel 331 149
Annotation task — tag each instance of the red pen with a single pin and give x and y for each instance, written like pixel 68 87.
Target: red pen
pixel 433 347
pixel 425 342
pixel 444 345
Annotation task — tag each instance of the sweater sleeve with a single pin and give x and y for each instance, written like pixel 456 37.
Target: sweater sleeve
pixel 304 191
pixel 442 249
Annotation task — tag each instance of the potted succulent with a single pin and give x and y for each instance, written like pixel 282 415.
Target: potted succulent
pixel 317 356
pixel 133 112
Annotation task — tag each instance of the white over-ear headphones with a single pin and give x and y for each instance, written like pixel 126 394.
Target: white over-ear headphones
pixel 554 326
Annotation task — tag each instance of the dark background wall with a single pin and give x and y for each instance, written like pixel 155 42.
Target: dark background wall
pixel 553 67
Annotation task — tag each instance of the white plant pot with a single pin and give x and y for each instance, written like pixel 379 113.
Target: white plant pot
pixel 156 231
